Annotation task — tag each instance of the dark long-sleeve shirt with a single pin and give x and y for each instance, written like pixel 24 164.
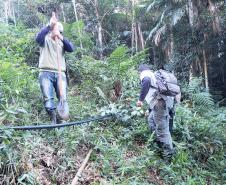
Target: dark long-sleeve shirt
pixel 52 51
pixel 145 86
pixel 40 38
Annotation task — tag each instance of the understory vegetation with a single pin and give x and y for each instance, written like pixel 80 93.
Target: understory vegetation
pixel 124 151
pixel 111 39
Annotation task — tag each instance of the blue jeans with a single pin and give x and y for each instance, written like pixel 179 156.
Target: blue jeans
pixel 49 83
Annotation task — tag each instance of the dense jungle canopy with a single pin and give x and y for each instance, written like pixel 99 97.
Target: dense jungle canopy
pixel 111 38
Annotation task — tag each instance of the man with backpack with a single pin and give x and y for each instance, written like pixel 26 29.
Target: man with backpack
pixel 52 66
pixel 155 93
pixel 172 101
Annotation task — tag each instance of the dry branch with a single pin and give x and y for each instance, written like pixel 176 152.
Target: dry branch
pixel 75 180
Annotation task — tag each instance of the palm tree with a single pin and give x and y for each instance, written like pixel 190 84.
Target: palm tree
pixel 171 13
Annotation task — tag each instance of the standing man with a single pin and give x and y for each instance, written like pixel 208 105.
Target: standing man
pixel 52 64
pixel 159 118
pixel 171 102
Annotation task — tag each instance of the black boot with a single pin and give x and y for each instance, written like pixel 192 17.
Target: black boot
pixel 52 115
pixel 167 153
pixel 58 119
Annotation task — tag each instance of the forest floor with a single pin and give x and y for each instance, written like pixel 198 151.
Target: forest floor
pixel 123 153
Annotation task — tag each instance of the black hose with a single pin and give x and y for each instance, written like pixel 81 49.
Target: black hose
pixel 39 127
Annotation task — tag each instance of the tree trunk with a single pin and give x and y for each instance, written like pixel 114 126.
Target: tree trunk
pixel 216 21
pixel 205 70
pixel 136 38
pixel 200 68
pixel 205 65
pixel 76 17
pixel 62 8
pixel 14 16
pixel 75 10
pixel 141 36
pixel 191 13
pixel 6 11
pixel 18 9
pixel 171 45
pixel 191 23
pixel 133 26
pixel 99 28
pixel 132 37
pixel 191 72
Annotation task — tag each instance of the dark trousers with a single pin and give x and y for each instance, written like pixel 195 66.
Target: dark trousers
pixel 171 114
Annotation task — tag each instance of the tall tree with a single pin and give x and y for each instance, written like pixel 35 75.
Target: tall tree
pixel 76 17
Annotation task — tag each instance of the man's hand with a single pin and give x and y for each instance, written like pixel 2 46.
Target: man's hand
pixel 178 98
pixel 56 34
pixel 53 20
pixel 147 113
pixel 139 103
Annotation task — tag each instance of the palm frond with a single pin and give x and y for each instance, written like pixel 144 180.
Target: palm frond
pixel 176 16
pixel 158 34
pixel 154 4
pixel 157 26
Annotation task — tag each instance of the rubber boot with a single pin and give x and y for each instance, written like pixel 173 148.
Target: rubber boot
pixel 52 115
pixel 167 153
pixel 58 119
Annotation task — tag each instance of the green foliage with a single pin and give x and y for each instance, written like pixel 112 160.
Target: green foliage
pixel 197 142
pixel 120 61
pixel 75 31
pixel 119 66
pixel 124 149
pixel 121 151
pixel 201 101
pixel 17 78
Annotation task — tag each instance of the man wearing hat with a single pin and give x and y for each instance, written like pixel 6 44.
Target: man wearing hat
pixel 52 48
pixel 159 118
